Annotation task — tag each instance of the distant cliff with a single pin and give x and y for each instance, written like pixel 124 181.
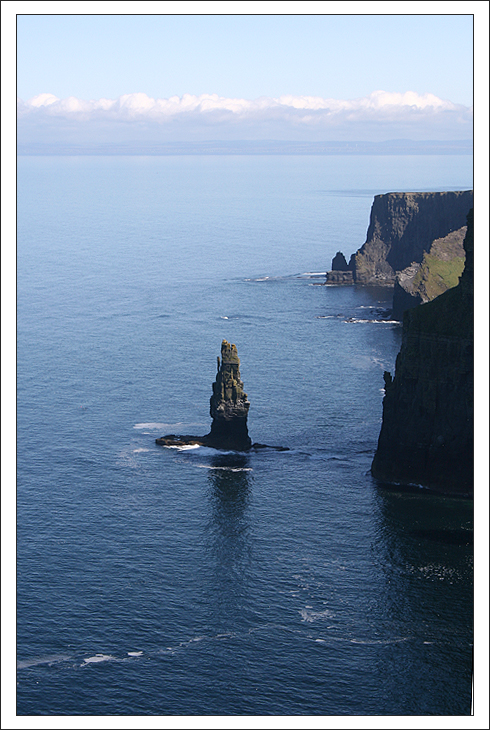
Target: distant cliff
pixel 402 228
pixel 427 431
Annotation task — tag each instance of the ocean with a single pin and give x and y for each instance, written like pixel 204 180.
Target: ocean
pixel 159 581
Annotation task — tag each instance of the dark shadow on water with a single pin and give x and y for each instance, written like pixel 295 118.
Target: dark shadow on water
pixel 230 480
pixel 230 476
pixel 448 537
pixel 416 527
pixel 422 492
pixel 423 549
pixel 229 540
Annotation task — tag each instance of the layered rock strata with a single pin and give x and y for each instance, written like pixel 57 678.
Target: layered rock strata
pixel 229 407
pixel 229 404
pixel 340 277
pixel 402 227
pixel 426 436
pixel 413 244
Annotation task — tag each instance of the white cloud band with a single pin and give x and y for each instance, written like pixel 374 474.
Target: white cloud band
pixel 381 115
pixel 139 105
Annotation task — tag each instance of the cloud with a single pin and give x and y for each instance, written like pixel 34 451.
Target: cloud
pixel 136 105
pixel 381 115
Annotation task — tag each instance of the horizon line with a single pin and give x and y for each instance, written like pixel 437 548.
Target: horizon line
pixel 260 147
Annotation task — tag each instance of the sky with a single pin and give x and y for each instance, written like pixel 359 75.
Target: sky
pixel 245 56
pixel 313 77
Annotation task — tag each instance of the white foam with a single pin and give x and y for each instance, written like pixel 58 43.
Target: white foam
pixel 439 572
pixel 168 427
pixel 183 447
pixel 135 653
pixel 372 321
pixel 155 426
pixel 224 468
pixel 139 451
pixel 213 452
pixel 310 616
pixel 99 658
pixel 378 641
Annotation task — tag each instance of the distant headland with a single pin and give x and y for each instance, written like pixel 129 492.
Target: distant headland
pixel 414 244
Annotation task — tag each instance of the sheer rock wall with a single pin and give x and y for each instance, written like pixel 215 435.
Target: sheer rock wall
pixel 426 436
pixel 402 228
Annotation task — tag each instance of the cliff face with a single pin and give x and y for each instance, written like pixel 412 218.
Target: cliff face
pixel 402 228
pixel 439 271
pixel 427 432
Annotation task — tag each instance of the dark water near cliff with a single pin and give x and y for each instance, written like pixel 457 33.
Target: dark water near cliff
pixel 156 581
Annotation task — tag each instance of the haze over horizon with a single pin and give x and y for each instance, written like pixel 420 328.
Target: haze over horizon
pixel 161 79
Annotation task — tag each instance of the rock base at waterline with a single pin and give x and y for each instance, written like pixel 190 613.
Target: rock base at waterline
pixel 228 408
pixel 179 441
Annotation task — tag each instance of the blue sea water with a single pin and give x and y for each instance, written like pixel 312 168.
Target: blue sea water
pixel 155 581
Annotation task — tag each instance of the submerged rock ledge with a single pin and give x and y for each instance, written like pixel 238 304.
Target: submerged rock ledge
pixel 229 410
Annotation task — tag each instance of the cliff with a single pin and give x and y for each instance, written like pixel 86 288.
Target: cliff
pixel 439 271
pixel 427 431
pixel 402 227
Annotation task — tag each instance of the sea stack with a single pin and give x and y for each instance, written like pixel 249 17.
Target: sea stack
pixel 228 408
pixel 229 404
pixel 341 272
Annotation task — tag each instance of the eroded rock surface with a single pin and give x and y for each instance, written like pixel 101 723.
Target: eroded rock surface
pixel 427 431
pixel 229 407
pixel 439 271
pixel 339 262
pixel 340 277
pixel 229 403
pixel 341 272
pixel 402 227
pixel 414 244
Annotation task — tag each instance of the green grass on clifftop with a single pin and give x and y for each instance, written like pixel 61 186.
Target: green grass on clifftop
pixel 435 275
